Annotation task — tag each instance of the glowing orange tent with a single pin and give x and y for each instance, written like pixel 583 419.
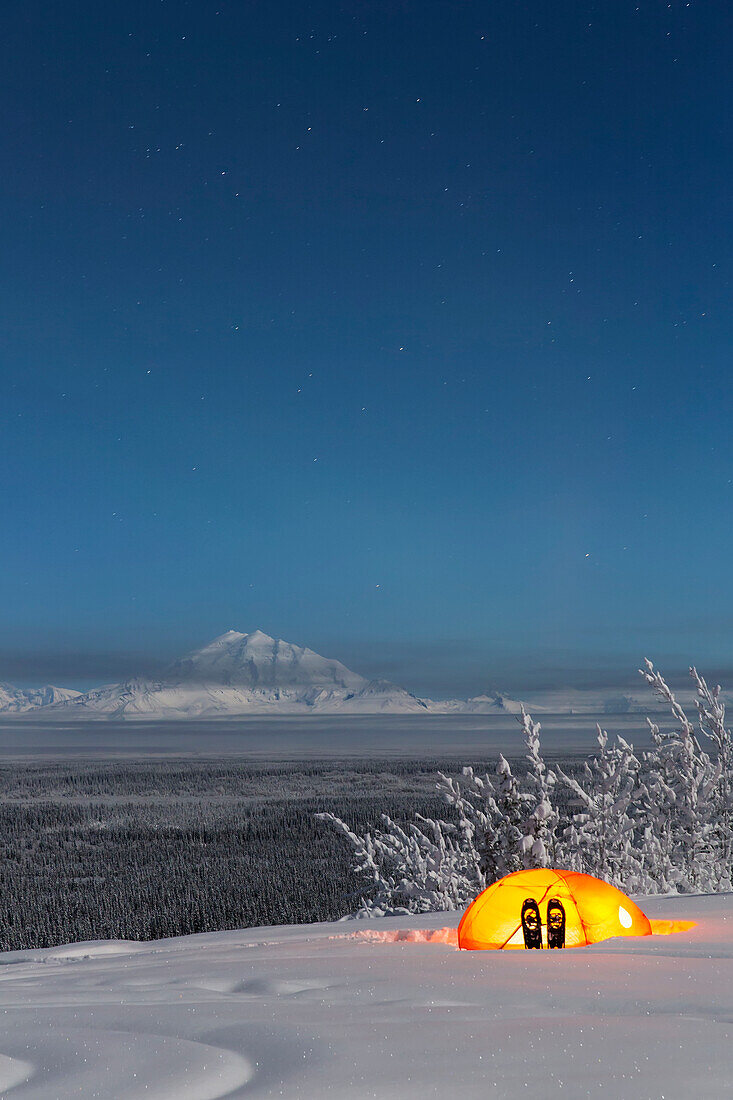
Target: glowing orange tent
pixel 594 911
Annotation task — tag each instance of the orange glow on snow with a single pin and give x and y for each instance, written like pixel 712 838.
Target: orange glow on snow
pixel 671 927
pixel 449 936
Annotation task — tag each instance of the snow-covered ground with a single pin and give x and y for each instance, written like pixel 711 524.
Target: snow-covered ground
pixel 364 1009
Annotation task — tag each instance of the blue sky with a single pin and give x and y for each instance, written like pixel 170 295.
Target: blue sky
pixel 398 330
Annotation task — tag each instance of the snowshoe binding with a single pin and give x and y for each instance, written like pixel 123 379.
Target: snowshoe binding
pixel 555 923
pixel 531 924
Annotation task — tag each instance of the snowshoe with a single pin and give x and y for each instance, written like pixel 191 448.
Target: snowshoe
pixel 531 924
pixel 555 923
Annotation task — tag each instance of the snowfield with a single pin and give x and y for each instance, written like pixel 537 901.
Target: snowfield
pixel 383 1008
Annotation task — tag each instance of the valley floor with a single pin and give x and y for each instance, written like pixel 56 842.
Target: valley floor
pixel 332 1010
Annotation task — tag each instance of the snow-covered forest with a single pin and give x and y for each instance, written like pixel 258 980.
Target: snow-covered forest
pixel 658 821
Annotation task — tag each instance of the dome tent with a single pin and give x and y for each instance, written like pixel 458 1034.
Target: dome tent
pixel 594 910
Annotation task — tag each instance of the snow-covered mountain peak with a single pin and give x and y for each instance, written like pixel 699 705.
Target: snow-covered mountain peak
pixel 256 637
pixel 257 660
pixel 252 673
pixel 231 637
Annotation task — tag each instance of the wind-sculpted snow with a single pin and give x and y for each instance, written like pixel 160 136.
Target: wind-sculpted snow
pixel 126 1064
pixel 386 1008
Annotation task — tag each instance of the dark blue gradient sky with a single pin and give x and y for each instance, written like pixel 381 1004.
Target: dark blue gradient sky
pixel 397 329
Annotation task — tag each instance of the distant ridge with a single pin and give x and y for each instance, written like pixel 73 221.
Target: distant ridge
pixel 15 700
pixel 492 702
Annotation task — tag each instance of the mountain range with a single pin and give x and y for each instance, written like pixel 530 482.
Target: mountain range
pixel 18 700
pixel 241 674
pixel 244 674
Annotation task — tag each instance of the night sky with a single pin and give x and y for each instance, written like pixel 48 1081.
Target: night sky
pixel 400 330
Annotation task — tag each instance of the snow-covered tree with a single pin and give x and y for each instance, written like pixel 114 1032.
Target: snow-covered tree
pixel 599 839
pixel 678 803
pixel 540 843
pixel 661 821
pixel 711 716
pixel 474 810
pixel 498 826
pixel 490 813
pixel 502 854
pixel 417 869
